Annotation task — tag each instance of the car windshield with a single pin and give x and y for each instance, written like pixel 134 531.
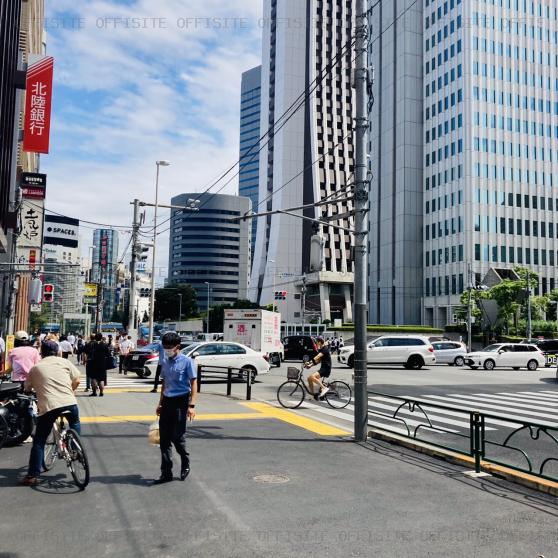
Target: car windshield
pixel 190 348
pixel 492 348
pixel 153 347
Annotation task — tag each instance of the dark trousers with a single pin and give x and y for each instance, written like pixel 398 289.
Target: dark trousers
pixel 172 430
pixel 44 426
pixel 121 363
pixel 157 376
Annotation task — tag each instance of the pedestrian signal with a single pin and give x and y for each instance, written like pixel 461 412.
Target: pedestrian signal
pixel 48 292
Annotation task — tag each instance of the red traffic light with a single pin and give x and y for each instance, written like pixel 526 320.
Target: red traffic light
pixel 48 292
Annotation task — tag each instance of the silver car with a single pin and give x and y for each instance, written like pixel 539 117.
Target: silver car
pixel 450 352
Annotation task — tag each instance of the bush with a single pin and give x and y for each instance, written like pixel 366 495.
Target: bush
pixel 393 329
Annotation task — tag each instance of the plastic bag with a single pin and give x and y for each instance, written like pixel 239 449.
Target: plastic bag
pixel 153 435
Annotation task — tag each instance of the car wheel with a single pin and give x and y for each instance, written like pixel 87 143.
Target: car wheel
pixel 252 370
pixel 489 364
pixel 459 361
pixel 305 358
pixel 415 363
pixel 146 373
pixel 351 361
pixel 532 365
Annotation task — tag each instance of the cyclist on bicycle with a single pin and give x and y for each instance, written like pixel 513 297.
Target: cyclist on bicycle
pixel 54 380
pixel 322 357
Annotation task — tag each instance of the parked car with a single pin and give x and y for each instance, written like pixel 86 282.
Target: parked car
pixel 410 351
pixel 143 360
pixel 299 347
pixel 450 352
pixel 506 355
pixel 549 348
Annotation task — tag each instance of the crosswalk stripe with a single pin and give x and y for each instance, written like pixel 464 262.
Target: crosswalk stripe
pixel 531 399
pixel 478 406
pixel 547 394
pixel 350 416
pixel 519 402
pixel 552 394
pixel 432 414
pixel 458 415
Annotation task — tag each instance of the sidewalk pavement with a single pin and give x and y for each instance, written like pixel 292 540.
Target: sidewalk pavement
pixel 263 485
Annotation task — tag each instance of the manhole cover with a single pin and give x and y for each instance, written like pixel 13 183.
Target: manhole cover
pixel 271 479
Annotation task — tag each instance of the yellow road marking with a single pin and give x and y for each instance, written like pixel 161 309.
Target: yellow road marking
pixel 312 425
pixel 151 418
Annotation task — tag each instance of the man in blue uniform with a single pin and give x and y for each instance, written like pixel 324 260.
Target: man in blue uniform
pixel 176 405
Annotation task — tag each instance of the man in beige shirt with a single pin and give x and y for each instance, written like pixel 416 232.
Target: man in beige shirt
pixel 54 380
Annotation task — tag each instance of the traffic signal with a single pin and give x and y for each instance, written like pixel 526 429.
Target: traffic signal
pixel 35 292
pixel 142 253
pixel 48 292
pixel 280 295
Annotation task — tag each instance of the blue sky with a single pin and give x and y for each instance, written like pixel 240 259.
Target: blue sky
pixel 137 81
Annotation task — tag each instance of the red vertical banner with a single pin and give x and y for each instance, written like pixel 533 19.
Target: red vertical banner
pixel 38 100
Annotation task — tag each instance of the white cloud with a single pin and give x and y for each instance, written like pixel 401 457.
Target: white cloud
pixel 128 97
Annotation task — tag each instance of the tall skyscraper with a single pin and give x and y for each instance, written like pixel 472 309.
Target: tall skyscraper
pixel 308 158
pixel 210 251
pixel 250 104
pixel 490 133
pixel 105 260
pixel 396 197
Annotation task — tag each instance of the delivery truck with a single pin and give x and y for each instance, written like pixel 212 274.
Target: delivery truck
pixel 258 329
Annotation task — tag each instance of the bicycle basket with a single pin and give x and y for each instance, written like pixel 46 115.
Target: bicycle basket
pixel 292 373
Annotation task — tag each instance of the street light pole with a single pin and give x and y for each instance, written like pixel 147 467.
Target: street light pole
pixel 470 310
pixel 180 307
pixel 529 328
pixel 152 297
pixel 361 225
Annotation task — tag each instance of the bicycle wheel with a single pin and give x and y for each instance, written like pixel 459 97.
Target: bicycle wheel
pixel 79 465
pixel 339 395
pixel 51 452
pixel 290 394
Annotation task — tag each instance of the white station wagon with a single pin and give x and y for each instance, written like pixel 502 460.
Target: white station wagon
pixel 507 355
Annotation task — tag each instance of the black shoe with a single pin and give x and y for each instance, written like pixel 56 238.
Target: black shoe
pixel 93 394
pixel 101 394
pixel 153 391
pixel 184 472
pixel 163 479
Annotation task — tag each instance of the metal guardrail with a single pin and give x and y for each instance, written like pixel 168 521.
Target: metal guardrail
pixel 480 445
pixel 228 372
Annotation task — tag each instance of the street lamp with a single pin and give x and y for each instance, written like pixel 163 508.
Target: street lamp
pixel 161 163
pixel 180 307
pixel 208 287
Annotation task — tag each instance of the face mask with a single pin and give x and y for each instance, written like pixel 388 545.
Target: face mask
pixel 169 353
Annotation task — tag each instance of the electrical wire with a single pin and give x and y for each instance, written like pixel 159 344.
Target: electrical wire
pixel 271 132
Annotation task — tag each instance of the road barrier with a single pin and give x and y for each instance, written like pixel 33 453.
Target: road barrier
pixel 538 441
pixel 228 372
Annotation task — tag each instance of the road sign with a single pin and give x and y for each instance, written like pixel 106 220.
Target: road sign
pixel 90 290
pixel 35 308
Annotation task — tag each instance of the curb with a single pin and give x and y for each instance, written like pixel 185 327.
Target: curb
pixel 525 479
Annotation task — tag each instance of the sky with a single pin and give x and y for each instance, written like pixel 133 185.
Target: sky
pixel 137 81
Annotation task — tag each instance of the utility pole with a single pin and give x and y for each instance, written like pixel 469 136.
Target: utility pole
pixel 361 225
pixel 303 298
pixel 135 247
pixel 529 328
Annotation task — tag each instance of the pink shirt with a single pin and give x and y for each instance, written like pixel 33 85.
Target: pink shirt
pixel 22 360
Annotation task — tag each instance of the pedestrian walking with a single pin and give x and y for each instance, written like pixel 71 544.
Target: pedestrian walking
pixel 125 346
pixel 54 380
pixel 80 348
pixel 66 347
pixel 88 362
pixel 176 405
pixel 99 355
pixel 2 352
pixel 22 357
pixel 71 339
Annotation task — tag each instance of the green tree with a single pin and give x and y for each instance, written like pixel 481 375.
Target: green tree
pixel 167 302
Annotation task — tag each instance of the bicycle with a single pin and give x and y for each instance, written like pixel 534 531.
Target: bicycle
pixel 65 443
pixel 292 393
